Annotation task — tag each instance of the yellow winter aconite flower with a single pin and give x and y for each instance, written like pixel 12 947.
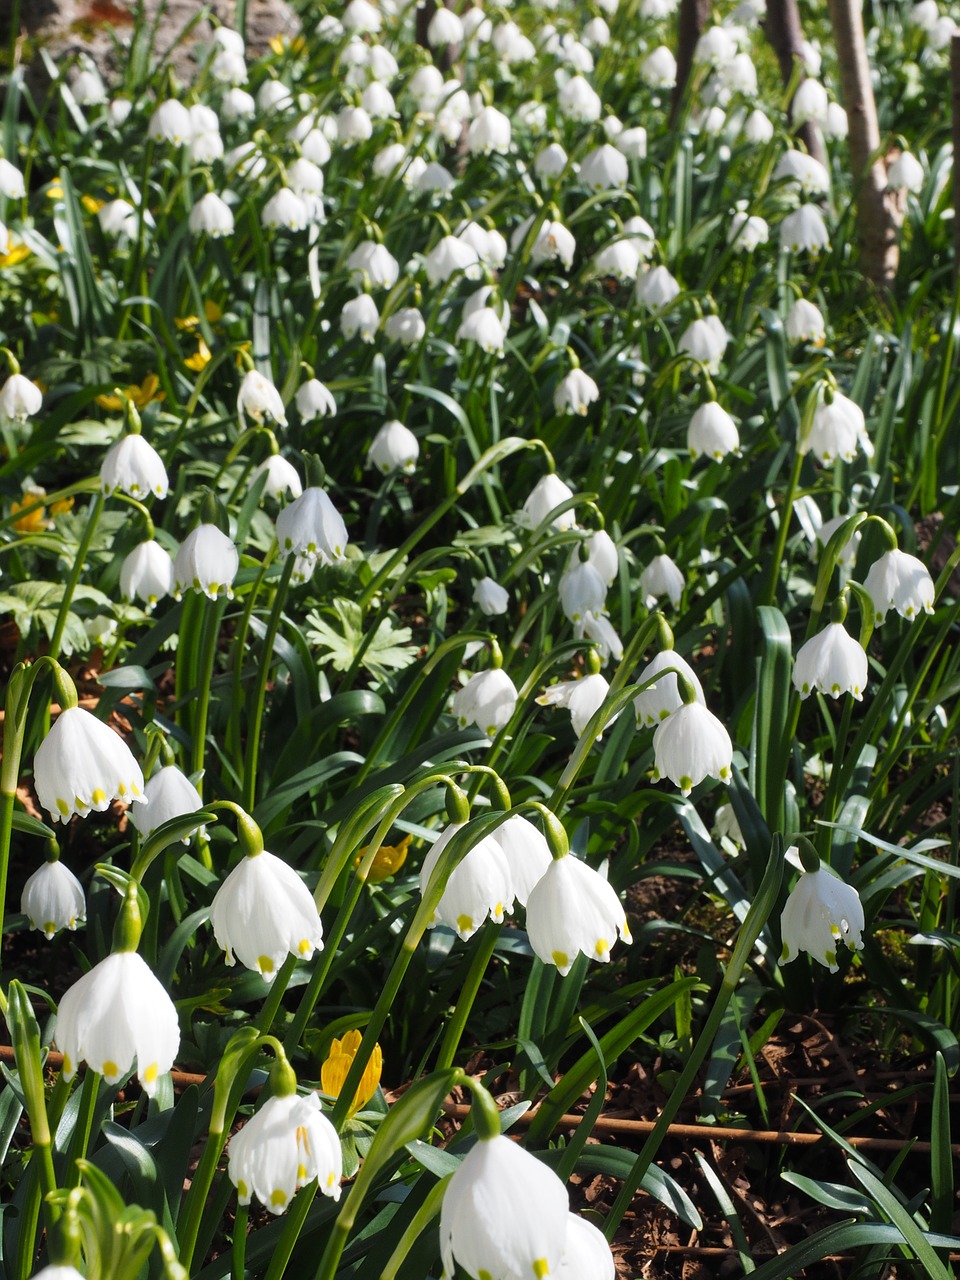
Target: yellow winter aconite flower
pixel 200 359
pixel 333 1072
pixel 140 395
pixel 92 204
pixel 35 519
pixel 54 191
pixel 387 861
pixel 212 312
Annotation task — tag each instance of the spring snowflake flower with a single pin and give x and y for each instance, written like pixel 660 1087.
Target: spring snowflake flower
pixel 312 526
pixel 656 289
pixel 488 700
pixel 374 265
pixel 147 574
pixel 53 899
pixel 705 341
pixel 207 561
pixel 599 629
pixel 690 745
pixel 134 466
pixel 575 393
pixel 809 174
pixel 360 316
pixel 804 231
pixel 836 430
pixel 82 765
pixel 810 103
pixel 258 398
pixel 902 582
pixel 353 126
pixel 551 161
pixel 484 327
pixel 263 912
pixel 661 577
pixel 662 698
pixel 573 909
pixel 394 448
pixel 490 246
pixel 449 256
pixel 285 211
pixel 527 854
pixel 547 494
pixel 580 697
pixel 659 68
pixel 906 173
pixel 490 598
pixel 837 123
pixel 848 553
pixel 605 168
pixel 758 128
pixel 582 590
pixel 406 326
pixel 116 1012
pixel 747 232
pixel 285 1145
pixel 445 27
pixel 504 1215
pixel 20 399
pixel 171 123
pixel 281 477
pixel 831 662
pixel 489 131
pixel 211 215
pixel 206 145
pixel 314 400
pixel 579 101
pixel 821 912
pixel 712 431
pixel 169 794
pixel 632 142
pixel 716 45
pixel 480 885
pixel 587 1255
pixel 805 323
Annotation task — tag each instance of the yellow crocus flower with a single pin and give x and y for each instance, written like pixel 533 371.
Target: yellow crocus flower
pixel 387 861
pixel 339 1060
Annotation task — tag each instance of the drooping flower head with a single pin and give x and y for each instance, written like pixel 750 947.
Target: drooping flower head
pixel 82 764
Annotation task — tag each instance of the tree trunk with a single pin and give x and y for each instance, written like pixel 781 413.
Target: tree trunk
pixel 785 34
pixel 694 15
pixel 878 216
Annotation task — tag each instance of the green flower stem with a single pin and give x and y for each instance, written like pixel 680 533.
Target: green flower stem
pixel 80 1139
pixel 239 1251
pixel 185 670
pixel 763 904
pixel 277 991
pixel 456 1024
pixel 93 519
pixel 296 1216
pixel 208 657
pixel 456 850
pixel 8 801
pixel 233 736
pixel 260 693
pixel 786 515
pixel 415 1229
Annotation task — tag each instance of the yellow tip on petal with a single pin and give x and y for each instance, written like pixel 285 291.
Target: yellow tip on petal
pixel 150 1074
pixel 265 964
pixel 541 1268
pixel 110 1071
pixel 278 1198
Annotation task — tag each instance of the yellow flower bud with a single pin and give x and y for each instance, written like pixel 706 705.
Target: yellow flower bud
pixel 333 1072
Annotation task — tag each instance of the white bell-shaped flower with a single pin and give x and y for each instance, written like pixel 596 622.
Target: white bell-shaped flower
pixel 406 326
pixel 582 698
pixel 821 912
pixel 599 629
pixel 393 448
pixel 836 430
pixel 480 885
pixel 373 264
pixel 807 172
pixel 171 123
pixel 621 260
pixel 134 466
pixel 450 255
pixel 661 698
pixel 20 399
pixel 582 590
pixel 575 393
pixel 488 132
pixel 445 27
pixel 211 215
pixel 484 327
pixel 264 912
pixel 603 555
pixel 237 104
pixel 758 128
pixel 312 526
pixel 747 231
pixel 273 97
pixel 587 1255
pixel 314 400
pixel 579 101
pixel 705 341
pixel 281 477
pixel 690 745
pixel 632 142
pixel 82 764
pixel 169 794
pixel 804 231
pixel 831 662
pixel 258 398
pixel 805 323
pixel 285 1145
pixel 116 1012
pixel 659 68
pixel 58 1272
pixel 206 145
pixel 285 211
pixel 604 168
pixel 147 574
pixel 363 17
pixel 713 432
pixel 490 598
pixel 53 899
pixel 488 700
pixel 661 577
pixel 902 582
pixel 360 316
pixel 656 289
pixel 850 549
pixel 573 909
pixel 547 494
pixel 504 1215
pixel 550 161
pixel 810 102
pixel 527 854
pixel 353 126
pixel 378 102
pixel 837 123
pixel 207 561
pixel 426 87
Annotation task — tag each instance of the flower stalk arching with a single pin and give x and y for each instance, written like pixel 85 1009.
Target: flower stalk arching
pixel 94 513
